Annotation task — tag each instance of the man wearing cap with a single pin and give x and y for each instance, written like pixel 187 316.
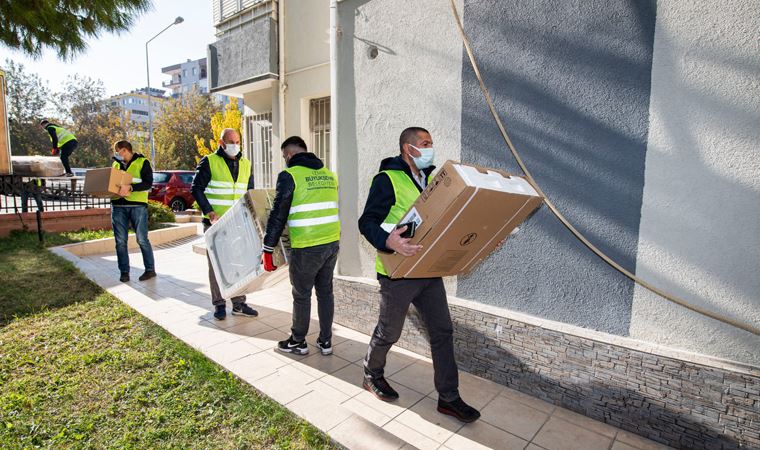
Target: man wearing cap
pixel 220 179
pixel 64 143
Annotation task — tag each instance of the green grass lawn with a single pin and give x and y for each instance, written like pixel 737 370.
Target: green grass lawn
pixel 79 369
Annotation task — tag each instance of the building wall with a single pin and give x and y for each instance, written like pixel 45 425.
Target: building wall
pixel 700 220
pixel 639 121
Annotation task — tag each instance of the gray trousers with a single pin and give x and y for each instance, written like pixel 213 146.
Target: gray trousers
pixel 312 268
pixel 216 294
pixel 429 297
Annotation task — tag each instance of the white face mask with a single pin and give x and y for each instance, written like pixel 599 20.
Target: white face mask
pixel 425 159
pixel 231 149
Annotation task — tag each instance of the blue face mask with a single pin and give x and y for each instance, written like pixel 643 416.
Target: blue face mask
pixel 118 157
pixel 425 160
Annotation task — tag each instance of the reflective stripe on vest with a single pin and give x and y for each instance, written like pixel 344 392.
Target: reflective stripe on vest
pixel 313 217
pixel 405 192
pixel 222 191
pixel 134 169
pixel 62 134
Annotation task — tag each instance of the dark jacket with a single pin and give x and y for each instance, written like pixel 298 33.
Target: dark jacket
pixel 146 175
pixel 278 217
pixel 380 200
pixel 203 176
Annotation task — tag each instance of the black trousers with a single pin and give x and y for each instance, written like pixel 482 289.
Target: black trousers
pixel 66 151
pixel 428 295
pixel 312 268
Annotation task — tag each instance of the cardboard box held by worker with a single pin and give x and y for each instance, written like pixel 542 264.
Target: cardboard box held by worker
pixel 460 218
pixel 105 182
pixel 233 245
pixel 37 166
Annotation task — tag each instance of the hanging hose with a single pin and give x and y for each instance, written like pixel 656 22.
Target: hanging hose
pixel 672 298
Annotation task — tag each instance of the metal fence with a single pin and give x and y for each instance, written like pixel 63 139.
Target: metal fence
pixel 22 194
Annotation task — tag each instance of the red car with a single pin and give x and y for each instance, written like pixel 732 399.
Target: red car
pixel 172 188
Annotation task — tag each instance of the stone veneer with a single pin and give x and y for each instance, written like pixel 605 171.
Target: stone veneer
pixel 677 398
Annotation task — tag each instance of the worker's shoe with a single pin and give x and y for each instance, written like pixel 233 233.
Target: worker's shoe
pixel 291 346
pixel 459 409
pixel 124 277
pixel 220 313
pixel 242 309
pixel 324 347
pixel 69 174
pixel 147 275
pixel 380 388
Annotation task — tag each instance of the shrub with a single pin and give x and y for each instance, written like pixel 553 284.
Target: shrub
pixel 158 212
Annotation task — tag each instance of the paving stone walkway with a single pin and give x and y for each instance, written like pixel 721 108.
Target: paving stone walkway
pixel 326 390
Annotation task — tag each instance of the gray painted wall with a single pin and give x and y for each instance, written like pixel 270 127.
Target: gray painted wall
pixel 700 222
pixel 243 53
pixel 571 81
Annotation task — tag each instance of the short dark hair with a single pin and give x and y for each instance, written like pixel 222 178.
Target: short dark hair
pixel 123 144
pixel 294 140
pixel 44 122
pixel 409 135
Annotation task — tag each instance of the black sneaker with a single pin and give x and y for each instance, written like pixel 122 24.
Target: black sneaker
pixel 324 347
pixel 459 409
pixel 124 277
pixel 291 346
pixel 220 313
pixel 69 175
pixel 380 388
pixel 147 275
pixel 242 309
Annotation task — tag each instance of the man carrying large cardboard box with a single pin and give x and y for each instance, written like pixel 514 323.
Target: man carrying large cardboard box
pixel 393 191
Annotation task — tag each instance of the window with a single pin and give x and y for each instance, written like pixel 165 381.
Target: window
pixel 184 72
pixel 187 178
pixel 319 128
pixel 259 136
pixel 137 112
pixel 195 70
pixel 160 177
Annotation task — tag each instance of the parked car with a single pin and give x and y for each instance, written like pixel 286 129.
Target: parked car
pixel 172 188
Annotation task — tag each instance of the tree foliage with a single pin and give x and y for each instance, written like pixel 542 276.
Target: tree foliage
pixel 181 121
pixel 231 118
pixel 27 99
pixel 63 25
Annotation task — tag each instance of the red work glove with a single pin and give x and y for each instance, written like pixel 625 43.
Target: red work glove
pixel 266 259
pixel 54 151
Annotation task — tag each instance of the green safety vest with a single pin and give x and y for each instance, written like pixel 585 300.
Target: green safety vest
pixel 134 169
pixel 313 216
pixel 63 135
pixel 222 190
pixel 405 192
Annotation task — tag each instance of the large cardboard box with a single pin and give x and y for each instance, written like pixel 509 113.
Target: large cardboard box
pixel 37 166
pixel 462 215
pixel 105 182
pixel 234 244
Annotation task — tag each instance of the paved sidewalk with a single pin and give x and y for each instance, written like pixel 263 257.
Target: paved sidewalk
pixel 326 390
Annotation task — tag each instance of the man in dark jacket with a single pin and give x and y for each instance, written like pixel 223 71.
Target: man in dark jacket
pixel 231 175
pixel 307 200
pixel 64 143
pixel 392 193
pixel 132 207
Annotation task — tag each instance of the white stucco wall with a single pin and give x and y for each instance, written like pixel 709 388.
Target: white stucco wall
pixel 415 81
pixel 700 219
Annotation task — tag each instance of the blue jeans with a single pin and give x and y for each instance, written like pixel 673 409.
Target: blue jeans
pixel 121 217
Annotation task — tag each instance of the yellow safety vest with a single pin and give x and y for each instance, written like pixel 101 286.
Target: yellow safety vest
pixel 134 169
pixel 313 216
pixel 222 190
pixel 405 193
pixel 63 135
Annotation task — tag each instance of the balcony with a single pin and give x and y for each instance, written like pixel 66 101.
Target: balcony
pixel 244 58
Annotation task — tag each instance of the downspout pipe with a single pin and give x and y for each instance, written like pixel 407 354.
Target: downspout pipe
pixel 334 34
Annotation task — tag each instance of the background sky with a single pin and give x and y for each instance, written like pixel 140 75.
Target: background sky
pixel 119 60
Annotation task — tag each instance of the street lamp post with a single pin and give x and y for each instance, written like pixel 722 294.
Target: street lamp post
pixel 177 21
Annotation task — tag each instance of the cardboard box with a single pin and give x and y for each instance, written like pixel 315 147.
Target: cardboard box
pixel 37 166
pixel 234 245
pixel 462 215
pixel 105 182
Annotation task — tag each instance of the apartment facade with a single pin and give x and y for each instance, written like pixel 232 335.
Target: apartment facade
pixel 186 76
pixel 284 92
pixel 135 103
